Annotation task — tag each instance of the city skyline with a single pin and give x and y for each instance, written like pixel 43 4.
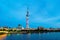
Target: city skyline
pixel 44 13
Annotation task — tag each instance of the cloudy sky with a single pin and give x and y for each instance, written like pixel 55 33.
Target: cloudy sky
pixel 44 13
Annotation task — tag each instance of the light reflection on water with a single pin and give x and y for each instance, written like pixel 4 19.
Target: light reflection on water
pixel 3 36
pixel 34 36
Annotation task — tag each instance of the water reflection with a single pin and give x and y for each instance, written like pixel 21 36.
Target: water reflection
pixel 33 36
pixel 3 36
pixel 28 36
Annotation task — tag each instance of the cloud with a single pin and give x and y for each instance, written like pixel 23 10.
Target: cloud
pixel 46 20
pixel 57 24
pixel 52 19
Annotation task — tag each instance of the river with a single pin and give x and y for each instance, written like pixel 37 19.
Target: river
pixel 33 36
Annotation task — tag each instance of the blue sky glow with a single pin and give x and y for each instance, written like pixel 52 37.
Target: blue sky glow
pixel 44 13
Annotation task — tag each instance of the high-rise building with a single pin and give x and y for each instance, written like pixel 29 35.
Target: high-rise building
pixel 27 19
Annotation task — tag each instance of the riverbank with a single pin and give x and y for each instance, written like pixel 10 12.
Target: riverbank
pixel 28 31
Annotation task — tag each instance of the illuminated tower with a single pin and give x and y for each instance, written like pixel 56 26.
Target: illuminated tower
pixel 27 19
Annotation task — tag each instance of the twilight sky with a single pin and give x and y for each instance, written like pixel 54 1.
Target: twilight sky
pixel 44 13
